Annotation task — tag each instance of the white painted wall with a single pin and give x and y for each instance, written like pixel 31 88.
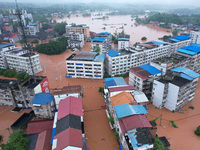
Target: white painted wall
pixel 158 90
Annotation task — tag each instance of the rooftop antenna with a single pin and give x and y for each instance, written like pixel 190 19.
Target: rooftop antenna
pixel 26 46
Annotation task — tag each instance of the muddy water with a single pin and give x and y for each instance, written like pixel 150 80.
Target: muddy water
pixel 115 23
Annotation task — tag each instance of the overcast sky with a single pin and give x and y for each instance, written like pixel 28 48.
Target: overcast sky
pixel 174 2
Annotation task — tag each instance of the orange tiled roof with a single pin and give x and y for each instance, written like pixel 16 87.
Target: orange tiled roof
pixel 122 98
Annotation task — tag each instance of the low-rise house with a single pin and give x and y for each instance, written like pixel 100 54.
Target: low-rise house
pixel 123 43
pixel 43 105
pixel 66 91
pixel 175 90
pixel 142 77
pixel 14 38
pixel 19 60
pixel 114 82
pixel 68 125
pixel 85 65
pixel 140 98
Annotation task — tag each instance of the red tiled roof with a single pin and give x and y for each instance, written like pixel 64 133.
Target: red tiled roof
pixel 39 126
pixel 67 90
pixel 143 74
pixel 133 122
pixel 70 105
pixel 44 140
pixel 121 88
pixel 13 35
pixel 69 137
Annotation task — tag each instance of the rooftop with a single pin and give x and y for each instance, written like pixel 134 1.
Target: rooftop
pixel 123 39
pixel 179 38
pixel 68 90
pixel 113 53
pixel 122 98
pixel 115 81
pixel 100 58
pixel 179 81
pixel 175 59
pixel 186 71
pixel 133 122
pixel 107 33
pixel 42 98
pixel 70 105
pixel 16 51
pixel 140 97
pixel 121 88
pixel 140 137
pixel 126 110
pixel 143 74
pixel 87 56
pixel 43 140
pixel 190 50
pixel 6 45
pixel 98 39
pixel 152 70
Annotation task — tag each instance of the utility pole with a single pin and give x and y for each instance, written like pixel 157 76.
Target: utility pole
pixel 26 47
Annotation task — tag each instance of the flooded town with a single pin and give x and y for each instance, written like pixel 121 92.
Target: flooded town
pixel 79 77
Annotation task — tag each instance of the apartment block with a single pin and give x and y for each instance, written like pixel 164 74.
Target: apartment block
pixel 79 29
pixel 18 59
pixel 176 89
pixel 26 30
pixel 142 77
pixel 195 34
pixel 33 29
pixel 123 43
pixel 20 94
pixel 166 63
pixel 192 53
pixel 85 65
pixel 3 49
pixel 101 43
pixel 119 62
pixel 43 105
pixel 106 35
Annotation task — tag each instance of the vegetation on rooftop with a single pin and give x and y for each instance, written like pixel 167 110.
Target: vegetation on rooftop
pixel 16 141
pixel 96 49
pixel 53 47
pixel 197 131
pixel 122 75
pixel 158 144
pixel 13 74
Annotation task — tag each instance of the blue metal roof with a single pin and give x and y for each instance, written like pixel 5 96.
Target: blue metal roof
pixel 42 98
pixel 105 33
pixel 32 25
pixel 125 110
pixel 185 76
pixel 100 58
pixel 6 45
pixel 185 33
pixel 5 38
pixel 158 42
pixel 123 39
pixel 115 81
pixel 186 71
pixel 152 70
pixel 194 48
pixel 113 53
pixel 53 134
pixel 179 38
pixel 186 51
pixel 98 39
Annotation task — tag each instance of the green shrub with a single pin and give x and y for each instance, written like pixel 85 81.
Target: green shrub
pixel 173 123
pixel 116 135
pixel 101 89
pixel 197 131
pixel 144 38
pixel 191 107
pixel 1 138
pixel 158 144
pixel 111 120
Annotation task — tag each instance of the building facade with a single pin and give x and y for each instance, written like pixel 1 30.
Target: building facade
pixel 19 61
pixel 195 34
pixel 33 29
pixel 123 43
pixel 85 65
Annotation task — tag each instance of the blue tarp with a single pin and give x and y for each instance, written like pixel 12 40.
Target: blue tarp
pixel 186 51
pixel 53 134
pixel 5 38
pixel 125 110
pixel 194 48
pixel 42 98
pixel 113 53
pixel 185 76
pixel 185 33
pixel 100 58
pixel 104 33
pixel 152 70
pixel 186 71
pixel 98 39
pixel 109 83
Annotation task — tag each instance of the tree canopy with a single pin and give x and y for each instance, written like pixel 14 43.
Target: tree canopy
pixel 53 47
pixel 60 28
pixel 16 141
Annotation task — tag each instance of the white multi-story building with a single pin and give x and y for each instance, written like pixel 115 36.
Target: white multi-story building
pixel 106 35
pixel 75 36
pixel 175 90
pixel 33 29
pixel 19 60
pixel 119 62
pixel 3 49
pixel 142 77
pixel 85 65
pixel 195 34
pixel 123 43
pixel 101 43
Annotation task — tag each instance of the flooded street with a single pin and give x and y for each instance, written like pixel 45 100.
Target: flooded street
pixel 114 24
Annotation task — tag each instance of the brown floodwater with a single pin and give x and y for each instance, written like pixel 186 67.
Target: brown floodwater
pixel 115 23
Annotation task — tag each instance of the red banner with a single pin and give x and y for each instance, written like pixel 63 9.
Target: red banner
pixel 45 85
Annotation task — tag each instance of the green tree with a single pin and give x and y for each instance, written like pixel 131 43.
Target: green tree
pixel 60 28
pixel 16 141
pixel 96 49
pixel 101 89
pixel 45 26
pixel 197 131
pixel 158 144
pixel 175 32
pixel 143 38
pixel 36 41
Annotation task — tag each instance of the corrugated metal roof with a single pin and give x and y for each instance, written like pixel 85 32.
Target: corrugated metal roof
pixel 152 70
pixel 115 81
pixel 125 110
pixel 6 45
pixel 104 33
pixel 183 75
pixel 120 81
pixel 123 39
pixel 180 38
pixel 98 39
pixel 109 83
pixel 100 58
pixel 194 48
pixel 186 71
pixel 42 98
pixel 140 97
pixel 113 53
pixel 85 56
pixel 121 88
pixel 5 38
pixel 186 51
pixel 143 74
pixel 158 42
